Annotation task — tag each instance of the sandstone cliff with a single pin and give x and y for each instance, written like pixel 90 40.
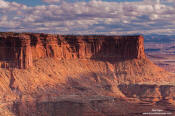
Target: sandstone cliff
pixel 92 75
pixel 21 49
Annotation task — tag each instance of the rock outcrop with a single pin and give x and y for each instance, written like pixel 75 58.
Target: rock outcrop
pixel 21 49
pixel 88 75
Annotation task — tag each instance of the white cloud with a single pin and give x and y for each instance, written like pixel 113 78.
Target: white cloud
pixel 89 17
pixel 3 4
pixel 51 1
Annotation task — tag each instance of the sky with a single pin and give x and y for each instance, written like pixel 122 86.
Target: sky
pixel 116 17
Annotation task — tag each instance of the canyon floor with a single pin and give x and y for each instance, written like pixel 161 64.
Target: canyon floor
pixel 166 61
pixel 160 50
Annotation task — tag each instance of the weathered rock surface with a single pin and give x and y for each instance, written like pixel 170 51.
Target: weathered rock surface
pixel 20 50
pixel 59 75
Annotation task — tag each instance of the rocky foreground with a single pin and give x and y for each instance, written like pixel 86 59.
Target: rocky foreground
pixel 92 75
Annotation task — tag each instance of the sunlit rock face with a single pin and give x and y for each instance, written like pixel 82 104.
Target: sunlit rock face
pixel 21 49
pixel 80 75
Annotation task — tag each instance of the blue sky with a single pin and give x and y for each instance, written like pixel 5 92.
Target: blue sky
pixel 40 2
pixel 88 16
pixel 28 2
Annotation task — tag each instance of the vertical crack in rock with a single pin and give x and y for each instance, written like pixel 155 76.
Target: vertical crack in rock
pixel 12 84
pixel 12 80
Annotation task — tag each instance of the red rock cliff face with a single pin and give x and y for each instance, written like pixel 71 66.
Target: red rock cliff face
pixel 20 50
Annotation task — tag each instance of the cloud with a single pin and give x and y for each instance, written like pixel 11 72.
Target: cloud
pixel 95 16
pixel 3 4
pixel 51 1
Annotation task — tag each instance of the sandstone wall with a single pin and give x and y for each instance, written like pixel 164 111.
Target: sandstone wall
pixel 21 49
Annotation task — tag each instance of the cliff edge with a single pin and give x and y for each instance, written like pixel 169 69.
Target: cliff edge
pixel 21 49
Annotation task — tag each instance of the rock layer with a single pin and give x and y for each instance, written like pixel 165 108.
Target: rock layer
pixel 21 49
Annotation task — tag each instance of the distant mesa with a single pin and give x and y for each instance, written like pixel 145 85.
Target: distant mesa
pixel 19 50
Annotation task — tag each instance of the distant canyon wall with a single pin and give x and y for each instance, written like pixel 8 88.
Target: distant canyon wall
pixel 19 50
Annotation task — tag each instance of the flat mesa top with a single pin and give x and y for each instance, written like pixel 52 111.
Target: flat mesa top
pixel 13 34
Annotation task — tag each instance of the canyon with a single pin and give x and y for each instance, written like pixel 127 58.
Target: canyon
pixel 160 50
pixel 80 75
